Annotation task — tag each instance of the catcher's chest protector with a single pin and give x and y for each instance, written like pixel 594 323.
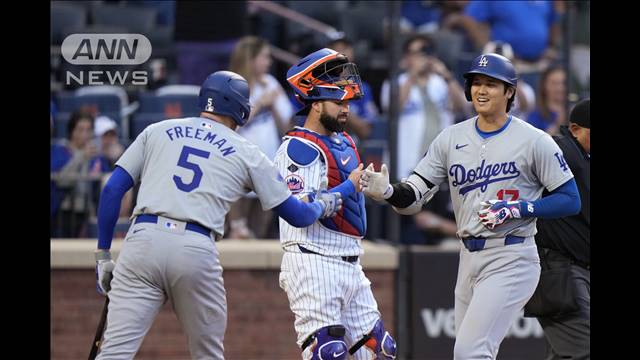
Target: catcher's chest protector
pixel 341 158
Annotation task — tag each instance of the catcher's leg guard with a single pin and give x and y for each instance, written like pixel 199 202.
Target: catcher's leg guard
pixel 326 344
pixel 379 342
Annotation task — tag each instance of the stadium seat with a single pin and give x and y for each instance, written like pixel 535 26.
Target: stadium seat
pixel 170 106
pixel 68 19
pixel 139 20
pixel 97 103
pixel 141 121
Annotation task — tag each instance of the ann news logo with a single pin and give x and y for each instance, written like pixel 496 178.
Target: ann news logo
pixel 106 49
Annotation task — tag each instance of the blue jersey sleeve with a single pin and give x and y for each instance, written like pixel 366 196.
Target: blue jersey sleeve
pixel 109 207
pixel 299 213
pixel 563 201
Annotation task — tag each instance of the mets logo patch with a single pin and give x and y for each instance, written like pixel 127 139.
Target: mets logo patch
pixel 295 183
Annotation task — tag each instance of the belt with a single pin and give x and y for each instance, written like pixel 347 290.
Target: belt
pixel 148 218
pixel 350 259
pixel 476 244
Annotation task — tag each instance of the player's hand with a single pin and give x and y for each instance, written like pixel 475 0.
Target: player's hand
pixel 376 184
pixel 496 212
pixel 104 271
pixel 331 202
pixel 355 177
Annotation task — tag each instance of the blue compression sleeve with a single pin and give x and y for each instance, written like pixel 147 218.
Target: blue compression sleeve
pixel 563 201
pixel 346 188
pixel 299 213
pixel 109 208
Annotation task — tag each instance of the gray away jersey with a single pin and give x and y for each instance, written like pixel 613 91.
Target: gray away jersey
pixel 516 164
pixel 193 169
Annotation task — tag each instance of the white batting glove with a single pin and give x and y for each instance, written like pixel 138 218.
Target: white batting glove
pixel 331 202
pixel 104 271
pixel 376 184
pixel 496 212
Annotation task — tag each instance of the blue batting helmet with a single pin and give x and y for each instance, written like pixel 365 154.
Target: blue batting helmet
pixel 324 75
pixel 226 93
pixel 492 65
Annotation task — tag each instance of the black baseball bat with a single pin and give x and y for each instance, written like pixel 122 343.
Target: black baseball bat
pixel 98 338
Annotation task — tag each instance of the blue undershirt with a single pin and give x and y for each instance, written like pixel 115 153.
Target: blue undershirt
pixel 563 201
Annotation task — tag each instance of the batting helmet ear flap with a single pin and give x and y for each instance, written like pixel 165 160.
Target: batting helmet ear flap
pixel 512 98
pixel 467 88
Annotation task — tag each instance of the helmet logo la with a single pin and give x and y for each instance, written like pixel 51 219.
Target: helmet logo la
pixel 209 107
pixel 483 62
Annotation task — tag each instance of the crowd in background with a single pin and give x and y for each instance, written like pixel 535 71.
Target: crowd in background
pixel 439 38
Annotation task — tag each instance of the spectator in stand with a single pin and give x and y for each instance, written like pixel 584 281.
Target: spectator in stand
pixel 550 112
pixel 109 146
pixel 75 167
pixel 270 117
pixel 531 27
pixel 429 96
pixel 525 100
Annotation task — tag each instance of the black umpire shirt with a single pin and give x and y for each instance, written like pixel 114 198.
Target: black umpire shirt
pixel 570 235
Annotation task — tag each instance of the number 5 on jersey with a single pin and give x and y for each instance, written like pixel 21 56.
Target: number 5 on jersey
pixel 197 172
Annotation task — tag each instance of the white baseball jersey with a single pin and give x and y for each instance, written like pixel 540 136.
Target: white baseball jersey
pixel 322 289
pixel 193 169
pixel 516 164
pixel 304 179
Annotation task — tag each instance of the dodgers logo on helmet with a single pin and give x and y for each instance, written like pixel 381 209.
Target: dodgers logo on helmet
pixel 483 61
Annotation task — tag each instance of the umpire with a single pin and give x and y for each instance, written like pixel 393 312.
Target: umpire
pixel 563 297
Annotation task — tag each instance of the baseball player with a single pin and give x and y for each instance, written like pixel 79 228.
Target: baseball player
pixel 190 171
pixel 497 167
pixel 329 294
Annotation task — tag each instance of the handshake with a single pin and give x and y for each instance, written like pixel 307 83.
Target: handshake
pixel 374 185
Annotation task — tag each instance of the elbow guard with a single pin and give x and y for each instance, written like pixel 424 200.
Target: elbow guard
pixel 423 193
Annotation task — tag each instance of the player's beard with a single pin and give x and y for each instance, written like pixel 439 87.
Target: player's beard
pixel 331 123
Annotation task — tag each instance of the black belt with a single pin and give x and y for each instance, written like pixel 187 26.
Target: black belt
pixel 148 218
pixel 350 259
pixel 475 244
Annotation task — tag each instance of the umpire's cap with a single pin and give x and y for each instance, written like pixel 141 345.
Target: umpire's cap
pixel 226 93
pixel 580 114
pixel 324 75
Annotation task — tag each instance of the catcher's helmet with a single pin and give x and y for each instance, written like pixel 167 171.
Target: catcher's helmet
pixel 324 75
pixel 226 93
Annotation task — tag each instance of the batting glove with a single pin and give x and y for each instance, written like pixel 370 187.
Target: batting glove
pixel 496 212
pixel 376 184
pixel 331 202
pixel 104 271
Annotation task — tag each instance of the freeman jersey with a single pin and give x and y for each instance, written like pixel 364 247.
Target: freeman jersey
pixel 200 167
pixel 303 164
pixel 480 169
